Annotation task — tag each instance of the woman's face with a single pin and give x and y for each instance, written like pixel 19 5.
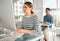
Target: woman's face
pixel 26 9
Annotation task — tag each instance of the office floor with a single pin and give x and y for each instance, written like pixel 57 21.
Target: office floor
pixel 57 38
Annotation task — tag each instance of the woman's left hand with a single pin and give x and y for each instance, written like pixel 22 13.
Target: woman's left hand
pixel 27 31
pixel 23 31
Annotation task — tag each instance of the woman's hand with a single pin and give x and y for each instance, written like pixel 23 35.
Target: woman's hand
pixel 27 31
pixel 18 30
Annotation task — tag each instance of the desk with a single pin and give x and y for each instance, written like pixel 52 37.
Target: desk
pixel 41 37
pixel 10 37
pixel 13 37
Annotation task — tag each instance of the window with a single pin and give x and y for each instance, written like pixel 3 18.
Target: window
pixel 57 18
pixel 50 3
pixel 18 8
pixel 58 3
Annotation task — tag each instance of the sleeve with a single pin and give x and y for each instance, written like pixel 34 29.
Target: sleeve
pixel 44 19
pixel 51 19
pixel 36 25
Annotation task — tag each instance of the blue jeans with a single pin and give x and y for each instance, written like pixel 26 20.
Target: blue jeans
pixel 26 37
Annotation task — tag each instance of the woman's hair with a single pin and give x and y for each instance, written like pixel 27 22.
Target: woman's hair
pixel 29 4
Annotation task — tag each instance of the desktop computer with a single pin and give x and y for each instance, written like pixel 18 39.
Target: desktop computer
pixel 7 15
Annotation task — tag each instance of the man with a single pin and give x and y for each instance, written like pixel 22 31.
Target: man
pixel 48 19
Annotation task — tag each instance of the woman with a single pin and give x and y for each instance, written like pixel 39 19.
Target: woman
pixel 29 25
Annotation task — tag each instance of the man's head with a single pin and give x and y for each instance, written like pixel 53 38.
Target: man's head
pixel 47 11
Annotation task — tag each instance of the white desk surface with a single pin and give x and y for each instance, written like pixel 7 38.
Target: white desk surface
pixel 39 37
pixel 16 35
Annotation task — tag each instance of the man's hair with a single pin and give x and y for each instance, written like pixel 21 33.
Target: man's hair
pixel 48 9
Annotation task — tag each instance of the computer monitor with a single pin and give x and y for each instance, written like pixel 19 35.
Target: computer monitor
pixel 7 15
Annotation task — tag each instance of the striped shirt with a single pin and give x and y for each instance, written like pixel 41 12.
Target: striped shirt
pixel 30 23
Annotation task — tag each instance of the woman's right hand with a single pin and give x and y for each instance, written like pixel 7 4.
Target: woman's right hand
pixel 18 30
